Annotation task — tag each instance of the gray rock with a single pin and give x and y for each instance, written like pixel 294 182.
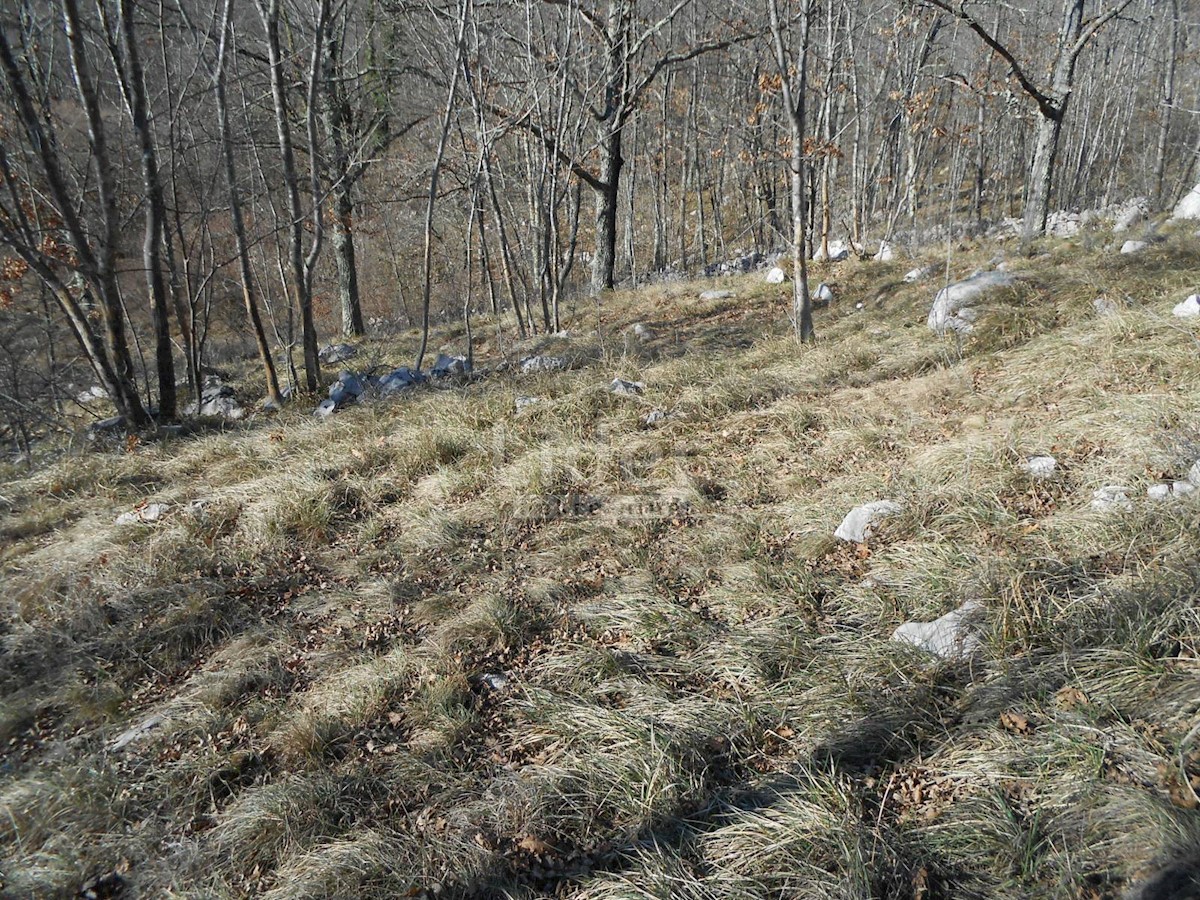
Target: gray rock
pixel 1105 307
pixel 225 407
pixel 709 296
pixel 1159 491
pixel 398 380
pixel 445 366
pixel 642 332
pixel 824 294
pixel 953 307
pixel 838 250
pixel 336 353
pixel 1063 224
pixel 655 417
pixel 1133 247
pixel 143 515
pixel 137 732
pixel 920 274
pixel 1111 497
pixel 348 388
pixel 106 428
pixel 626 388
pixel 535 364
pixel 495 680
pixel 775 276
pixel 1194 474
pixel 1188 309
pixel 326 409
pixel 1189 206
pixel 1039 466
pixel 886 253
pixel 862 521
pixel 949 637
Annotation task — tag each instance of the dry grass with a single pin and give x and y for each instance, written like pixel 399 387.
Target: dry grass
pixel 436 646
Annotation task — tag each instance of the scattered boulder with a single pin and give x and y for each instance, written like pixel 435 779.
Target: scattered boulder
pixel 838 250
pixel 398 380
pixel 348 388
pixel 1105 307
pixel 1063 224
pixel 445 366
pixel 137 732
pixel 336 353
pixel 775 275
pixel 642 332
pixel 949 637
pixel 625 388
pixel 1133 247
pixel 1111 497
pixel 1039 466
pixel 326 409
pixel 885 254
pixel 1188 309
pixel 824 294
pixel 1189 206
pixel 536 364
pixel 1168 490
pixel 919 274
pixel 109 427
pixel 710 296
pixel 145 514
pixel 862 521
pixel 953 307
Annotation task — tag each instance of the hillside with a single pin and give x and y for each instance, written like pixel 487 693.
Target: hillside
pixel 439 646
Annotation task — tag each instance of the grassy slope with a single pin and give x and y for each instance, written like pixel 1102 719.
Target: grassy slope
pixel 701 699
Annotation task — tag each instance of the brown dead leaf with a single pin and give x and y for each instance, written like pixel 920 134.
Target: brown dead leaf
pixel 535 846
pixel 1069 697
pixel 1015 723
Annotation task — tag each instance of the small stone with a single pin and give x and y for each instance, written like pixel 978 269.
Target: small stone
pixel 1133 247
pixel 1111 497
pixel 886 253
pixel 626 388
pixel 495 680
pixel 1188 309
pixel 1105 307
pixel 326 409
pixel 862 521
pixel 526 402
pixel 143 515
pixel 642 332
pixel 336 353
pixel 536 364
pixel 1181 488
pixel 948 637
pixel 137 732
pixel 824 293
pixel 919 274
pixel 445 366
pixel 1159 491
pixel 655 417
pixel 775 275
pixel 1039 466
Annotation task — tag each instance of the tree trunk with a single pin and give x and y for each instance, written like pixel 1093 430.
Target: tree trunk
pixel 604 260
pixel 336 115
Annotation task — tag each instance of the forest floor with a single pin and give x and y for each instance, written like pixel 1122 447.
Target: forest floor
pixel 434 646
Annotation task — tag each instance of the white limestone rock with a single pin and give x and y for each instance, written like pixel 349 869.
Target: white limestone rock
pixel 775 275
pixel 862 521
pixel 950 637
pixel 885 254
pixel 712 296
pixel 1133 247
pixel 953 307
pixel 146 514
pixel 838 250
pixel 655 417
pixel 137 732
pixel 1039 466
pixel 535 364
pixel 1110 498
pixel 523 403
pixel 625 388
pixel 1188 309
pixel 1189 206
pixel 336 353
